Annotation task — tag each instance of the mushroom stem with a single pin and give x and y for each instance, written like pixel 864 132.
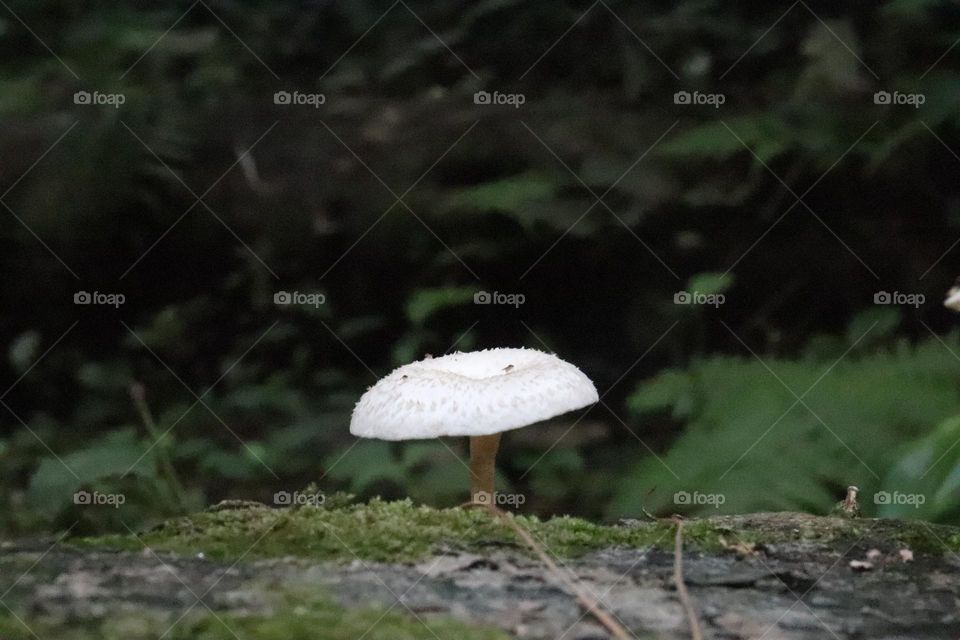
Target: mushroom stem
pixel 483 457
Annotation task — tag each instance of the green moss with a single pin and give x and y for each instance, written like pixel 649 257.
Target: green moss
pixel 927 538
pixel 315 619
pixel 403 532
pixel 383 531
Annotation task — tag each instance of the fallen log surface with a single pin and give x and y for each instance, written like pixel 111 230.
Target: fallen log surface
pixel 776 575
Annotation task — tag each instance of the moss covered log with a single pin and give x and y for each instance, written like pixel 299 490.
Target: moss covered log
pixel 398 570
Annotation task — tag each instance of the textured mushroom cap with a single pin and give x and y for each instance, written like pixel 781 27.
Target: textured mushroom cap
pixel 476 393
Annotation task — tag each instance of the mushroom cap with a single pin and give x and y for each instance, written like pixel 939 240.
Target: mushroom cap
pixel 953 298
pixel 473 393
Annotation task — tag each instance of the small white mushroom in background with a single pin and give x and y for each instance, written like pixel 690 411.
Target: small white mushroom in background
pixel 952 301
pixel 861 565
pixel 479 394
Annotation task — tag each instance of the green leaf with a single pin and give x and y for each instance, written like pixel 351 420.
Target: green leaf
pixel 871 325
pixel 669 389
pixel 710 283
pixel 419 453
pixel 926 481
pixel 424 303
pixel 910 9
pixel 112 376
pixel 507 195
pixel 365 464
pixel 23 350
pixel 446 480
pixel 764 136
pixel 55 480
pixel 234 465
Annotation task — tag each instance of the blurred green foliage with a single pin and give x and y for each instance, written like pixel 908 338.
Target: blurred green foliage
pixel 772 434
pixel 254 397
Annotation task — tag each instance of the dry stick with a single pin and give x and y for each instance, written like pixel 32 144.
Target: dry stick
pixel 162 456
pixel 695 631
pixel 588 601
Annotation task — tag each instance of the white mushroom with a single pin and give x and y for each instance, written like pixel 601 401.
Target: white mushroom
pixel 479 394
pixel 953 297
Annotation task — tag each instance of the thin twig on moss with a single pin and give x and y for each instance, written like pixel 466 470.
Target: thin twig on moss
pixel 588 601
pixel 161 451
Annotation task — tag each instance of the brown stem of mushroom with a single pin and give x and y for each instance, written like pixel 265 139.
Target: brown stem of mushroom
pixel 483 460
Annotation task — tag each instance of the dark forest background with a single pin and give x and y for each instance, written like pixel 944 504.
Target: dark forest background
pixel 798 202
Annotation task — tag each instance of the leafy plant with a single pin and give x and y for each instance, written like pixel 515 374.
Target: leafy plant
pixel 776 433
pixel 925 483
pixel 428 471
